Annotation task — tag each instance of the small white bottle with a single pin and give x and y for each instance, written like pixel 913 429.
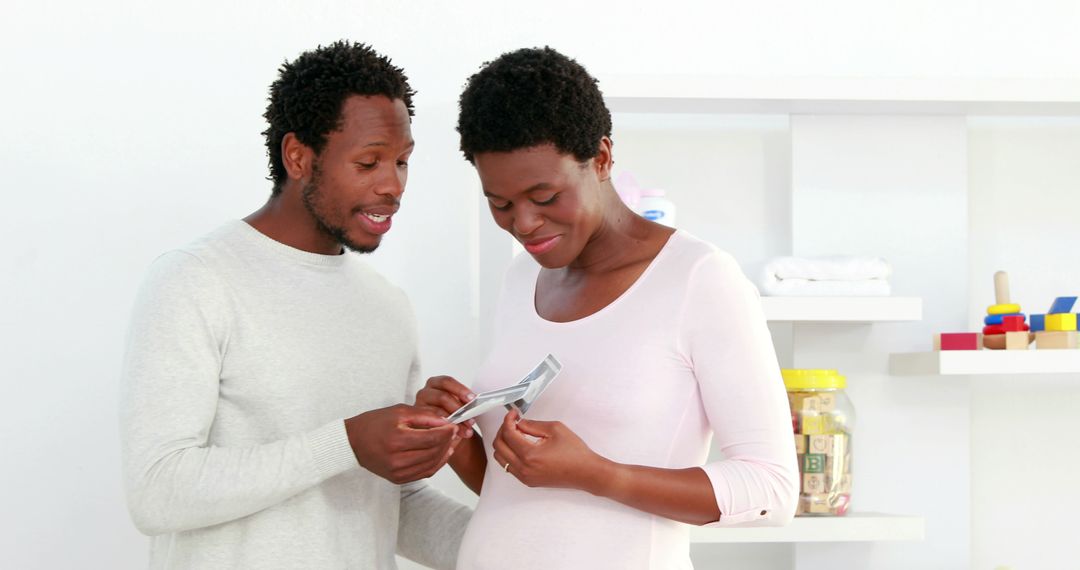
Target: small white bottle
pixel 654 206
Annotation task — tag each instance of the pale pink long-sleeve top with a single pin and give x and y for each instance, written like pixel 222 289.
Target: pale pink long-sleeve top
pixel 682 357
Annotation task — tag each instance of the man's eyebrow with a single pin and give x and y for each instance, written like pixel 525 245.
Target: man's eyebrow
pixel 384 143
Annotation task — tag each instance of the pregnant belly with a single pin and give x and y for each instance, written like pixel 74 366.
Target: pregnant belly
pixel 522 528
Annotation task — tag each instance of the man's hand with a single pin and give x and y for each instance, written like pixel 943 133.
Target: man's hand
pixel 401 443
pixel 444 396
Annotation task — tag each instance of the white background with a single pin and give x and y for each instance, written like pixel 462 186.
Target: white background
pixel 130 128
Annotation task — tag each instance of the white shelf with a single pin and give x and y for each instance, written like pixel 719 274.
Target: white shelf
pixel 979 362
pixel 842 309
pixel 839 95
pixel 853 527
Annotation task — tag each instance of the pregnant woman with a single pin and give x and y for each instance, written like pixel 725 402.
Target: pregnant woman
pixel 662 339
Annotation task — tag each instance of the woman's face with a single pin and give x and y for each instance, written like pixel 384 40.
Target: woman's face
pixel 547 200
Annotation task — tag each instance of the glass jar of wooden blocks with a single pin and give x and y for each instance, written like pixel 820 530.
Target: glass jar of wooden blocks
pixel 823 418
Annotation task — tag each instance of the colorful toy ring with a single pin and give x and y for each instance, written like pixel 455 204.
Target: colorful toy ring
pixel 999 319
pixel 1004 309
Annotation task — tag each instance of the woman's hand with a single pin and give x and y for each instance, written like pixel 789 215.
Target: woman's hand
pixel 547 454
pixel 444 395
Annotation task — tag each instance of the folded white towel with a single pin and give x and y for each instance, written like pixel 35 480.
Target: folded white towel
pixel 829 268
pixel 809 288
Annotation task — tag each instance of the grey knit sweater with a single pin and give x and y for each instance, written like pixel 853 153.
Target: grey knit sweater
pixel 244 356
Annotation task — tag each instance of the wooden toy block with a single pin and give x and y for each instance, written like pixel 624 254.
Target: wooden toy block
pixel 1037 323
pixel 1055 339
pixel 999 319
pixel 1003 309
pixel 813 483
pixel 814 463
pixel 839 445
pixel 1018 340
pixel 806 502
pixel 994 341
pixel 822 444
pixel 845 483
pixel 800 443
pixel 1061 322
pixel 1013 323
pixel 834 470
pixel 820 505
pixel 804 402
pixel 937 342
pixel 812 424
pixel 1062 305
pixel 959 341
pixel 828 402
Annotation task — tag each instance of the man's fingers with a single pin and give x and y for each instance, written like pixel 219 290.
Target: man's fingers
pixel 422 418
pixel 410 439
pixel 422 469
pixel 407 461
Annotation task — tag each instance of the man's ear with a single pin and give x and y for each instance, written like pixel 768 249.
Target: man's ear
pixel 603 161
pixel 297 157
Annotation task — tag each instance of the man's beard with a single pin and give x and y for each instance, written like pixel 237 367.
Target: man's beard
pixel 311 196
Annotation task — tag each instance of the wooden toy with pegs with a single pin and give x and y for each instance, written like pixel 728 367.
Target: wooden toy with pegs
pixel 1005 326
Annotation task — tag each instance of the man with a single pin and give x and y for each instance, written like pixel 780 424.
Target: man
pixel 264 363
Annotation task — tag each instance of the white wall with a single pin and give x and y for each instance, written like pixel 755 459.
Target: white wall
pixel 1025 197
pixel 894 187
pixel 132 127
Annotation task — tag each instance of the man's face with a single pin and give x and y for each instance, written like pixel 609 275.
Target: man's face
pixel 358 179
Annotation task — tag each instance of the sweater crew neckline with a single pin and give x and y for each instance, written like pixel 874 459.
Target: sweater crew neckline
pixel 270 244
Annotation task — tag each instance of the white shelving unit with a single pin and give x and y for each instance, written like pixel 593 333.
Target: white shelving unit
pixel 839 95
pixel 906 107
pixel 842 309
pixel 854 527
pixel 659 102
pixel 985 362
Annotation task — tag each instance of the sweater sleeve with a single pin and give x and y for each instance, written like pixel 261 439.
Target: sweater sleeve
pixel 725 337
pixel 175 480
pixel 430 524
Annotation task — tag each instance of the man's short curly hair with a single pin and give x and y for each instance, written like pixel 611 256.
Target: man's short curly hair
pixel 531 97
pixel 308 95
